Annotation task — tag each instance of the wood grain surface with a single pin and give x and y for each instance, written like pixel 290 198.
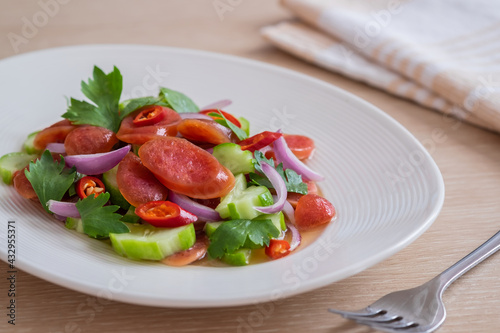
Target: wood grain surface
pixel 469 159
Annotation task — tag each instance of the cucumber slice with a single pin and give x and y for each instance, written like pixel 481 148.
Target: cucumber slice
pixel 278 220
pixel 211 226
pixel 245 125
pixel 130 216
pixel 116 197
pixel 28 145
pixel 240 202
pixel 10 163
pixel 232 157
pixel 239 258
pixel 74 224
pixel 150 243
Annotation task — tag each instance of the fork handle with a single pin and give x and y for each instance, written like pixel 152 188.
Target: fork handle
pixel 466 263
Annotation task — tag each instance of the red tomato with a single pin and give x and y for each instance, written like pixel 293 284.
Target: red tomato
pixel 23 185
pixel 164 214
pixel 202 130
pixel 293 198
pixel 186 257
pixel 313 211
pixel 131 133
pixel 89 185
pixel 228 116
pixel 136 183
pixel 89 140
pixel 259 141
pixel 300 145
pixel 186 168
pixel 54 134
pixel 277 249
pixel 150 115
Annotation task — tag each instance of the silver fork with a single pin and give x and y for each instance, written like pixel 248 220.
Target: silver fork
pixel 421 309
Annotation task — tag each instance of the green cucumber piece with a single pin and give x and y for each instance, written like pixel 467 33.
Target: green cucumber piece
pixel 245 125
pixel 12 162
pixel 150 243
pixel 74 224
pixel 28 145
pixel 240 257
pixel 130 216
pixel 278 220
pixel 116 197
pixel 211 226
pixel 232 157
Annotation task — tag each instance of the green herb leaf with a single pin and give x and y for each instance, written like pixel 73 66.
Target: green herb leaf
pixel 293 181
pixel 241 134
pixel 50 179
pixel 177 101
pixel 232 235
pixel 105 91
pixel 99 220
pixel 131 105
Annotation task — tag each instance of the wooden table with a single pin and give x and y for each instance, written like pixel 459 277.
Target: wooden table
pixel 468 157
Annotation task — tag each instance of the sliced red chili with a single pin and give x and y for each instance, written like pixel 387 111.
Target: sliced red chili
pixel 89 185
pixel 164 214
pixel 277 249
pixel 259 141
pixel 150 115
pixel 228 116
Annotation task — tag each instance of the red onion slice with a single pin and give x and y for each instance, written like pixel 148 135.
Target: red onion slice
pixel 280 187
pixel 296 237
pixel 204 213
pixel 195 116
pixel 290 161
pixel 57 148
pixel 60 208
pixel 217 105
pixel 95 164
pixel 289 212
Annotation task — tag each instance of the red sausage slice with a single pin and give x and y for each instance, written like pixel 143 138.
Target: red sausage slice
pixel 201 130
pixel 56 133
pixel 313 211
pixel 23 185
pixel 131 133
pixel 186 168
pixel 89 140
pixel 137 184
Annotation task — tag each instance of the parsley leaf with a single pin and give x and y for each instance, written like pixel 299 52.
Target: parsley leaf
pixel 241 134
pixel 293 181
pixel 177 101
pixel 99 220
pixel 232 235
pixel 105 91
pixel 131 105
pixel 50 179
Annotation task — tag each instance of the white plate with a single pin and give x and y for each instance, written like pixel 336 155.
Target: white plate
pixel 385 186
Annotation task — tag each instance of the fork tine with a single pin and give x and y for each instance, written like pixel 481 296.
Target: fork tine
pixel 399 326
pixel 382 319
pixel 359 314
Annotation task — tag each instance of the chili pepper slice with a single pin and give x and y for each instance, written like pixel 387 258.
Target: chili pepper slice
pixel 89 185
pixel 150 115
pixel 259 141
pixel 277 249
pixel 164 214
pixel 228 116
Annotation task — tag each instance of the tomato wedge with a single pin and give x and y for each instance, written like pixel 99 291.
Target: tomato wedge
pixel 228 116
pixel 312 211
pixel 89 185
pixel 89 140
pixel 259 141
pixel 150 115
pixel 164 214
pixel 278 248
pixel 186 168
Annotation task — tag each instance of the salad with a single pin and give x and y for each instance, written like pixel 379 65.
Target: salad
pixel 163 180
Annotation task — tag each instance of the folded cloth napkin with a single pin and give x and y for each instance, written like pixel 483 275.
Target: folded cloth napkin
pixel 442 54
